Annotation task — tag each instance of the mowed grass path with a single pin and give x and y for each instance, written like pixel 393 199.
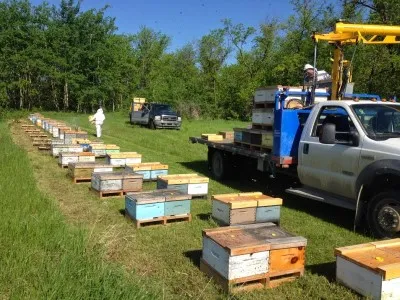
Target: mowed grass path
pixel 165 258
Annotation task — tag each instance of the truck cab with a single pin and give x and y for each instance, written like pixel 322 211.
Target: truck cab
pixel 350 152
pixel 154 115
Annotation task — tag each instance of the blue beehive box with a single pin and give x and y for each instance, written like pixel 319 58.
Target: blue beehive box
pixel 153 204
pixel 149 170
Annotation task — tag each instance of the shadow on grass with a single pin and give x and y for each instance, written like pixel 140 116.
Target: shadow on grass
pixel 122 211
pixel 328 270
pixel 249 180
pixel 204 217
pixel 194 256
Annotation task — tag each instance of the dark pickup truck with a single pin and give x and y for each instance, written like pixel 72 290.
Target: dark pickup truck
pixel 155 115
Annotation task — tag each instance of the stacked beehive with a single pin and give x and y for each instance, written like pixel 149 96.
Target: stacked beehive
pixel 245 208
pixel 192 184
pixel 116 183
pixel 158 206
pixel 252 252
pixel 252 256
pixel 372 269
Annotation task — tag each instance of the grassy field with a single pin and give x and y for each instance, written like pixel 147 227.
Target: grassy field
pixel 162 260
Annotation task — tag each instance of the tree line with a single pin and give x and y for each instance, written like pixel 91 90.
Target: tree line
pixel 63 58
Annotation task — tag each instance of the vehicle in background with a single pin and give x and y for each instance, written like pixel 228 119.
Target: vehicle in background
pixel 154 115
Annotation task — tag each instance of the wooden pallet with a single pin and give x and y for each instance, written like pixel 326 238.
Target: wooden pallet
pixel 44 148
pixel 36 135
pixel 108 194
pixel 159 220
pixel 63 166
pixel 27 130
pixel 81 180
pixel 27 125
pixel 262 281
pixel 200 196
pixel 44 144
pixel 258 148
pixel 264 105
pixel 262 126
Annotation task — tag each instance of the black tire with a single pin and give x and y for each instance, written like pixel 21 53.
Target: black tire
pixel 220 165
pixel 152 125
pixel 383 215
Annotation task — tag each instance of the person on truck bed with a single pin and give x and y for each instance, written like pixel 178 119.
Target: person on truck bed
pixel 310 71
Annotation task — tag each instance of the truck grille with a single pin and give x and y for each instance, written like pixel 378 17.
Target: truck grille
pixel 169 118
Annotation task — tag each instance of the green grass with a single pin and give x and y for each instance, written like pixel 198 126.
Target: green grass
pixel 41 256
pixel 165 258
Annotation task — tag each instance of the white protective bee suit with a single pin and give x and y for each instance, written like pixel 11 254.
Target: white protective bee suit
pixel 99 118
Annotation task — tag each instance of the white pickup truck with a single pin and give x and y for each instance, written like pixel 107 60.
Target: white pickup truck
pixel 348 155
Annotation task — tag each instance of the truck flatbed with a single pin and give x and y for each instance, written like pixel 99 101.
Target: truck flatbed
pixel 229 146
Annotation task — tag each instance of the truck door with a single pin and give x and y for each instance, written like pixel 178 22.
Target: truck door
pixel 330 167
pixel 141 116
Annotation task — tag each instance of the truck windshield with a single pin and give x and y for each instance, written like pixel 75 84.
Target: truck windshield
pixel 162 108
pixel 379 121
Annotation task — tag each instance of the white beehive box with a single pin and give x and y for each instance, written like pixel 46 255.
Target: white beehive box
pixel 372 269
pixel 263 116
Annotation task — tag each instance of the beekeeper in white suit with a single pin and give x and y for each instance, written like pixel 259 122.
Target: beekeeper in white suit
pixel 99 118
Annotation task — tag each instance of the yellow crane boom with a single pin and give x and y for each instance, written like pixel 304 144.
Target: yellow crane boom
pixel 348 33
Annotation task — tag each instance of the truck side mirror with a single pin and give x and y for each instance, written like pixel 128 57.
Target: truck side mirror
pixel 354 138
pixel 328 134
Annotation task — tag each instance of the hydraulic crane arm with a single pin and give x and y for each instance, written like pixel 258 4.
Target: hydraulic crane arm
pixel 347 33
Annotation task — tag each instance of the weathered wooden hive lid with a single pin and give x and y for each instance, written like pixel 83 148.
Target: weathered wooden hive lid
pixel 112 147
pixel 183 178
pixel 66 146
pixel 146 197
pixel 124 155
pixel 174 195
pixel 243 200
pixel 382 257
pixel 245 239
pixel 148 166
pixel 117 175
pixel 89 165
pixel 69 154
pixel 86 154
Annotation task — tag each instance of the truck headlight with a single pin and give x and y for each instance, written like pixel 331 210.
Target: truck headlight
pixel 179 119
pixel 157 118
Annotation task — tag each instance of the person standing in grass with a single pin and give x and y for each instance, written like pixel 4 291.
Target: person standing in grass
pixel 99 118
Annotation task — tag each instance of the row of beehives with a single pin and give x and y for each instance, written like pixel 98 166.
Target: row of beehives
pixel 251 252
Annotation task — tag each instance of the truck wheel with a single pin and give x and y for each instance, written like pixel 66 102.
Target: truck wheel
pixel 220 165
pixel 152 125
pixel 384 215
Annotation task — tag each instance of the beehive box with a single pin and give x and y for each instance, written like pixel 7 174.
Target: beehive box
pixel 245 208
pixel 228 135
pixel 152 204
pixel 242 135
pixel 212 137
pixel 82 171
pixel 72 157
pixel 80 141
pixel 86 145
pixel 57 149
pixel 371 269
pixel 112 149
pixel 55 129
pixel 149 170
pixel 263 116
pixel 98 149
pixel 62 130
pixel 192 184
pixel 57 142
pixel 116 181
pixel 263 255
pixel 123 158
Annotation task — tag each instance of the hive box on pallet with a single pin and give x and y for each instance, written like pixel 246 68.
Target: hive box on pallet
pixel 123 158
pixel 372 269
pixel 82 171
pixel 149 170
pixel 70 136
pixel 261 255
pixel 86 145
pixel 57 142
pixel 72 157
pixel 117 181
pixel 57 149
pixel 150 206
pixel 245 208
pixel 192 184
